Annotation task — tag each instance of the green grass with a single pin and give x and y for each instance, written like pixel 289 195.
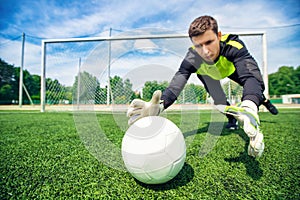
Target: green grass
pixel 43 157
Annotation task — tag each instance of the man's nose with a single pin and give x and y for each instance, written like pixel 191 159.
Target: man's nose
pixel 205 49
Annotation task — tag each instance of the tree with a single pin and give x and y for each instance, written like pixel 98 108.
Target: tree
pixel 6 73
pixel 130 94
pixel 9 85
pixel 87 85
pixel 117 90
pixel 121 90
pixel 101 95
pixel 151 86
pixel 192 94
pixel 90 90
pixel 285 81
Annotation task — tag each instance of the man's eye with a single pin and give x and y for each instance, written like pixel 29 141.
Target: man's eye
pixel 198 46
pixel 209 42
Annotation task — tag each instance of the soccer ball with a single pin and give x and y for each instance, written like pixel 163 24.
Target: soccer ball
pixel 153 150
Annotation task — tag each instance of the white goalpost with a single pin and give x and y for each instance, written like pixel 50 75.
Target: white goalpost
pixel 107 65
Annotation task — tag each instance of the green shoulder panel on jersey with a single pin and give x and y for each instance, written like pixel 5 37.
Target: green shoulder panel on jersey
pixel 224 37
pixel 227 39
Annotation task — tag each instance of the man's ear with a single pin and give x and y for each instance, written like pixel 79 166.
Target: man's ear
pixel 219 35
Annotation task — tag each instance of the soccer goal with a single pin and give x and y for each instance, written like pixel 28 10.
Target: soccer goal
pixel 106 71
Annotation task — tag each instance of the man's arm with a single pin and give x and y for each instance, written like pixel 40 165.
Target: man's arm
pixel 139 108
pixel 247 74
pixel 177 83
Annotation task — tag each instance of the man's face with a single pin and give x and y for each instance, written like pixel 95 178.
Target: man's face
pixel 207 45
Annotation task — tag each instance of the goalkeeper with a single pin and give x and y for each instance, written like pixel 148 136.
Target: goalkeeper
pixel 214 57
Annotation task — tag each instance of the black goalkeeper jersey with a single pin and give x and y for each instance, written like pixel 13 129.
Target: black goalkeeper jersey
pixel 234 62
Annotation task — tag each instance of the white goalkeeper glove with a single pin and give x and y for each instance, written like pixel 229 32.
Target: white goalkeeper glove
pixel 248 118
pixel 139 108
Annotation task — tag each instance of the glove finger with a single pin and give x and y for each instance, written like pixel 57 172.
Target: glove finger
pixel 134 111
pixel 156 97
pixel 229 110
pixel 221 108
pixel 137 103
pixel 133 119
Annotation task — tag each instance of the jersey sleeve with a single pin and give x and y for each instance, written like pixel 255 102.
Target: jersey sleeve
pixel 236 51
pixel 246 66
pixel 178 82
pixel 247 74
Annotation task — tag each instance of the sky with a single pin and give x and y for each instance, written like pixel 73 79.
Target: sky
pixel 48 19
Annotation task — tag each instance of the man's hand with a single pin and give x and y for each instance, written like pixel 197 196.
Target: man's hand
pixel 246 114
pixel 247 118
pixel 139 108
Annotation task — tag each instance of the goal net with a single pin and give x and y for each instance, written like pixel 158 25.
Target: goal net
pixel 112 71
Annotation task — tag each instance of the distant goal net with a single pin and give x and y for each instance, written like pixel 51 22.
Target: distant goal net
pixel 112 71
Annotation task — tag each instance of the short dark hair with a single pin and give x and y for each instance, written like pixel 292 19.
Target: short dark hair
pixel 202 24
